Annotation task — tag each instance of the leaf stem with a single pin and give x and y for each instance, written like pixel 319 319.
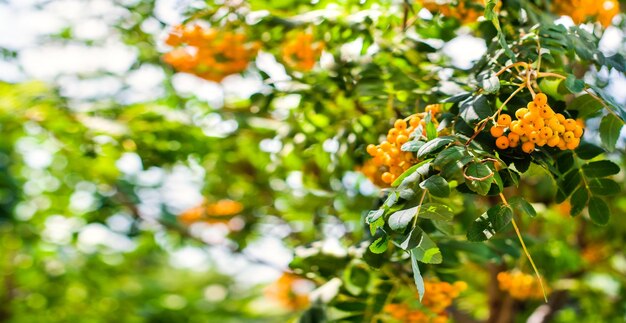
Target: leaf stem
pixel 521 240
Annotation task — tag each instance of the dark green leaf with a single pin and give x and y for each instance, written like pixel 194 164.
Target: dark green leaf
pixel 579 201
pixel 586 106
pixel 449 155
pixel 379 245
pixel 481 182
pixel 604 186
pixel 598 211
pixel 436 186
pixel 610 128
pixel 588 151
pixel 475 108
pixel 412 146
pixel 422 246
pixel 600 168
pixel 521 203
pixel 490 223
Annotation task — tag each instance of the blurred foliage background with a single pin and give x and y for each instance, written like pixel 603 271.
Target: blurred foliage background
pixel 133 192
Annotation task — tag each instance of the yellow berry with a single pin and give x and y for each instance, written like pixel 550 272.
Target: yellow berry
pixel 546 112
pixel 568 136
pixel 520 113
pixel 401 139
pixel 540 99
pixel 533 136
pixel 553 122
pixel 546 132
pixel 414 121
pixel 400 124
pixel 502 142
pixel 372 150
pixel 560 117
pixel 387 177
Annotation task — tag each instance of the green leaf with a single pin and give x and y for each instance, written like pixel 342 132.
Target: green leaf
pixel 436 186
pixel 374 215
pixel 413 174
pixel 617 108
pixel 491 84
pixel 412 146
pixel 521 203
pixel 417 275
pixel 588 150
pixel 490 223
pixel 610 128
pixel 598 211
pixel 479 171
pixel 579 201
pixel 426 250
pixel 586 106
pixel 568 184
pixel 604 186
pixel 436 211
pixel 449 155
pixel 379 245
pixel 600 168
pixel 574 85
pixel 400 219
pixel 374 225
pixel 433 145
pixel 474 109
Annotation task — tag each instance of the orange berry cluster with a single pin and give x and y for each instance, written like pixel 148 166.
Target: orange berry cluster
pixel 208 53
pixel 301 52
pixel 581 10
pixel 537 125
pixel 466 11
pixel 220 211
pixel 438 297
pixel 290 291
pixel 389 160
pixel 519 285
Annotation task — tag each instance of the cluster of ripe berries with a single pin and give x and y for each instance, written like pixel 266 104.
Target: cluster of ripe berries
pixel 438 297
pixel 207 52
pixel 388 156
pixel 519 285
pixel 537 125
pixel 466 11
pixel 581 10
pixel 218 212
pixel 290 292
pixel 301 52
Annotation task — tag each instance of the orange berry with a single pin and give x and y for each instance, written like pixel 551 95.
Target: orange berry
pixel 530 117
pixel 570 124
pixel 504 120
pixel 541 142
pixel 385 145
pixel 372 149
pixel 540 99
pixel 553 122
pixel 496 131
pixel 513 139
pixel 502 142
pixel 414 121
pixel 573 143
pixel 578 131
pixel 560 117
pixel 401 140
pixel 517 128
pixel 533 136
pixel 568 136
pixel 538 123
pixel 400 124
pixel 554 140
pixel 562 145
pixel 532 107
pixel 546 133
pixel 546 112
pixel 580 122
pixel 387 177
pixel 528 147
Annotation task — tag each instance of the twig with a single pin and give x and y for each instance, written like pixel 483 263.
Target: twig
pixel 521 240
